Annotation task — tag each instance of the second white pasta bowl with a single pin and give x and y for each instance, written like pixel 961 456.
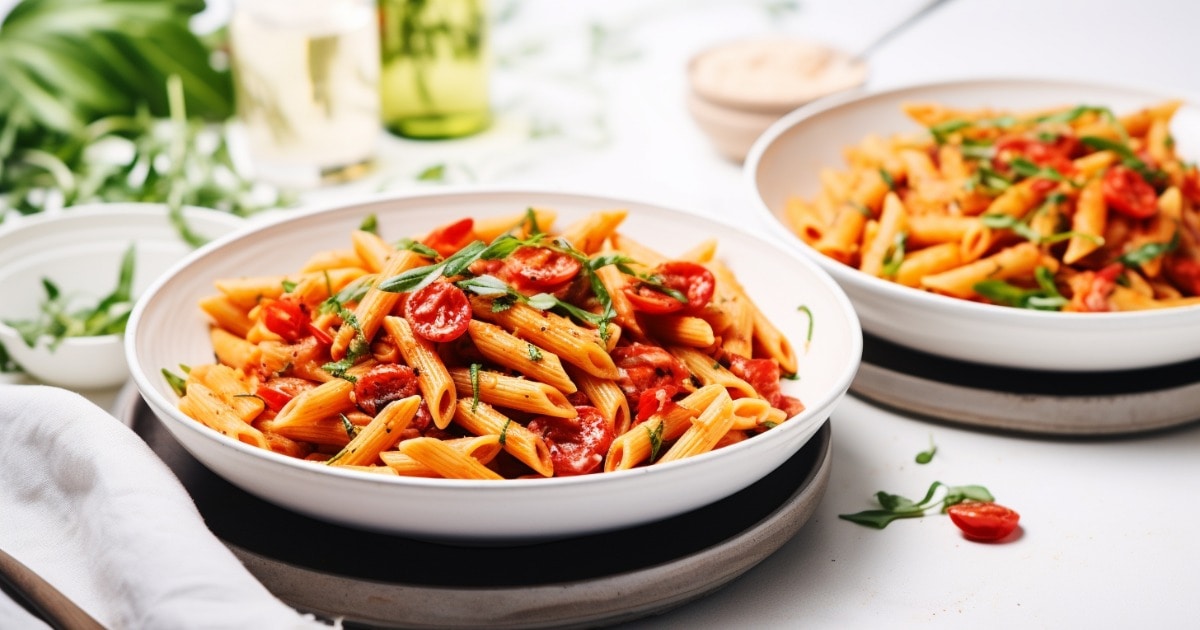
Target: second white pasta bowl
pixel 787 160
pixel 167 330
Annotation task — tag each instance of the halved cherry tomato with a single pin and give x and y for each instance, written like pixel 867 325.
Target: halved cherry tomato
pixel 383 384
pixel 279 391
pixel 1128 193
pixel 655 400
pixel 448 239
pixel 577 445
pixel 531 269
pixel 763 376
pixel 439 312
pixel 285 318
pixel 1184 274
pixel 688 278
pixel 644 367
pixel 1191 185
pixel 983 521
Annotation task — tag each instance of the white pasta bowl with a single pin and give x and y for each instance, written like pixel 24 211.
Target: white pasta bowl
pixel 786 160
pixel 167 330
pixel 80 249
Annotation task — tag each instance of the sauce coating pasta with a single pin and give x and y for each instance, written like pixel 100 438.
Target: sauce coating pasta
pixel 1065 209
pixel 492 350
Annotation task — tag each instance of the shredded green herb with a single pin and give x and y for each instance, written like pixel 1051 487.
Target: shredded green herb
pixel 1044 298
pixel 894 506
pixel 59 318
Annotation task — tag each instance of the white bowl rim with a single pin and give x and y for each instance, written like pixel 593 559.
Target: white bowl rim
pixel 983 312
pixel 815 408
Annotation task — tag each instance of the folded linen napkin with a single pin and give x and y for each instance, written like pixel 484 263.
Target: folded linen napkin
pixel 86 504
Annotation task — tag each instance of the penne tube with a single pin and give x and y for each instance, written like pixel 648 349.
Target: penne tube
pixel 432 376
pixel 375 305
pixel 506 350
pixel 514 438
pixel 483 448
pixel 373 251
pixel 227 315
pixel 606 396
pixel 1088 223
pixel 379 435
pixel 234 351
pixel 643 442
pixel 681 330
pixel 446 461
pixel 579 346
pixel 509 392
pixel 324 401
pixel 231 387
pixel 205 405
pixel 1018 260
pixel 589 233
pixel 709 427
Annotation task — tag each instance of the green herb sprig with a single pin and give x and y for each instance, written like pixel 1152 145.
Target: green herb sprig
pixel 1044 298
pixel 59 319
pixel 894 507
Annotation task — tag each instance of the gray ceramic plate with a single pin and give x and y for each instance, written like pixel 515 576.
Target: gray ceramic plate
pixel 387 581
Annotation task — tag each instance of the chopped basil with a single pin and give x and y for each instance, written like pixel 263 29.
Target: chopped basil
pixel 418 247
pixel 504 431
pixel 535 353
pixel 348 426
pixel 887 179
pixel 987 180
pixel 289 286
pixel 942 130
pixel 473 371
pixel 894 257
pixel 433 173
pixel 1026 168
pixel 1128 158
pixel 926 456
pixel 1147 252
pixel 861 209
pixel 178 383
pixel 1044 298
pixel 656 439
pixel 370 223
pixel 803 308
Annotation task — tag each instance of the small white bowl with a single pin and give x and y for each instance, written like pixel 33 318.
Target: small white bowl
pixel 167 329
pixel 80 250
pixel 786 160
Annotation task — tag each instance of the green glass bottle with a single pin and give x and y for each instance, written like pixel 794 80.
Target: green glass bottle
pixel 435 67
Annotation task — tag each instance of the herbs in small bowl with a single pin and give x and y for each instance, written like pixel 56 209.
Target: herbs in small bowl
pixel 70 282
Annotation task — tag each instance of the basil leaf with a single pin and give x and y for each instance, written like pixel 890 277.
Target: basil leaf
pixel 958 494
pixel 1147 252
pixel 178 383
pixel 473 371
pixel 926 456
pixel 417 247
pixel 894 257
pixel 370 223
pixel 878 519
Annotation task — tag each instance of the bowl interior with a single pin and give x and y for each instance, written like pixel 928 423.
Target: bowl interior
pixel 80 251
pixel 786 161
pixel 168 330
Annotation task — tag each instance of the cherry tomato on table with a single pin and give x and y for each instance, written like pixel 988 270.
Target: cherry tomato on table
pixel 1128 193
pixel 383 384
pixel 531 269
pixel 983 521
pixel 692 280
pixel 438 312
pixel 577 445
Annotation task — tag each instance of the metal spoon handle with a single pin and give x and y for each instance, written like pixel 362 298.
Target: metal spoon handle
pixel 48 602
pixel 924 10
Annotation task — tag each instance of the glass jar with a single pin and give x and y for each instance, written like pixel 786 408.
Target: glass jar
pixel 435 56
pixel 306 74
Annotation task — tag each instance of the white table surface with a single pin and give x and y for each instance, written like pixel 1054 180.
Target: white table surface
pixel 1108 526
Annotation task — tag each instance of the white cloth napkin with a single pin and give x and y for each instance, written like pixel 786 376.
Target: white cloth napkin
pixel 86 504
